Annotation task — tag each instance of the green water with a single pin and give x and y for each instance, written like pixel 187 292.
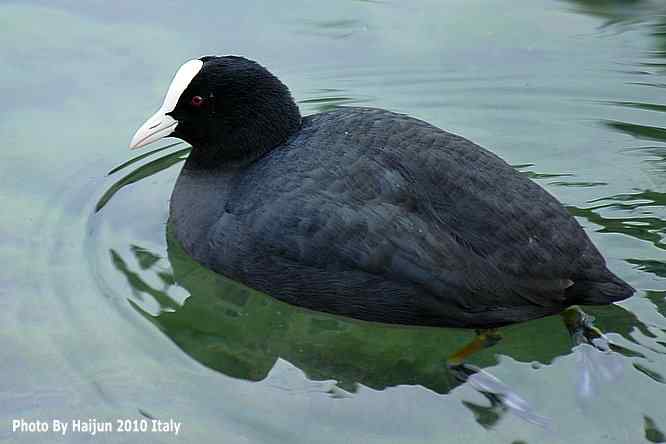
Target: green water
pixel 103 316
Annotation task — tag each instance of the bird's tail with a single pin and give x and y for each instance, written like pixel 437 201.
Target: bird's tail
pixel 601 291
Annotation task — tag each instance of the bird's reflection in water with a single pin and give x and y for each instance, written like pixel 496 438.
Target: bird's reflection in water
pixel 244 334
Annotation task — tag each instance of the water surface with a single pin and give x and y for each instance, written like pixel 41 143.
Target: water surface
pixel 102 315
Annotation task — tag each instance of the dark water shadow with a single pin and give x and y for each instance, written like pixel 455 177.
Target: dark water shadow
pixel 650 71
pixel 630 215
pixel 143 171
pixel 619 12
pixel 243 333
pixel 652 431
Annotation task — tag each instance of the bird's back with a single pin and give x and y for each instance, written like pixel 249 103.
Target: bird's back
pixel 379 216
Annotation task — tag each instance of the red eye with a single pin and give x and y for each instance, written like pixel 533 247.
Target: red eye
pixel 197 101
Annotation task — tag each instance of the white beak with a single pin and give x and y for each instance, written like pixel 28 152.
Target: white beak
pixel 160 124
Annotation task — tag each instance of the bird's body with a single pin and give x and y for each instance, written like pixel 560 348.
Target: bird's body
pixel 382 217
pixel 363 212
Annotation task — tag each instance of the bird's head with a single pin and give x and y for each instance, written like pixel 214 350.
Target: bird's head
pixel 228 108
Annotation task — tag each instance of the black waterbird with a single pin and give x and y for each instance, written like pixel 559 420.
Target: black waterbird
pixel 367 213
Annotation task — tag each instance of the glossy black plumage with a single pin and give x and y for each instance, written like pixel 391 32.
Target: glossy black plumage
pixel 379 216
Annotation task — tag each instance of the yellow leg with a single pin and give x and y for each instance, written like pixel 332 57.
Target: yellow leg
pixel 484 339
pixel 502 398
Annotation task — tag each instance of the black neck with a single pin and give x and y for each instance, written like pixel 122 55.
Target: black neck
pixel 246 144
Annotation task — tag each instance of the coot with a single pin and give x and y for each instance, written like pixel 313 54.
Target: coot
pixel 363 212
